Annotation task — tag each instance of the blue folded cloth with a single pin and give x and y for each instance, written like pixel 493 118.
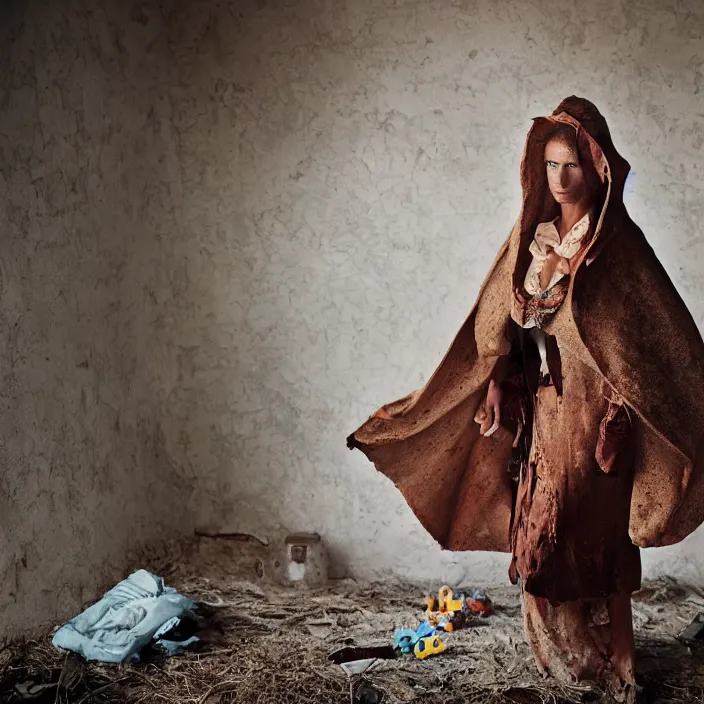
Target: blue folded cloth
pixel 128 617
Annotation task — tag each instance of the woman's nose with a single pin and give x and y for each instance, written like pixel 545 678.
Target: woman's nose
pixel 564 177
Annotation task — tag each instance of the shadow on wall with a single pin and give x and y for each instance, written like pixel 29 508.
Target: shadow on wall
pixel 87 213
pixel 254 108
pixel 346 172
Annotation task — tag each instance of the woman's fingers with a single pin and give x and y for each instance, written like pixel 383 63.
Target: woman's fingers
pixel 484 418
pixel 496 414
pixel 493 402
pixel 517 437
pixel 486 423
pixel 492 430
pixel 488 415
pixel 487 420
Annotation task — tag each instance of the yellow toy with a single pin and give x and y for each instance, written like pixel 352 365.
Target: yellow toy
pixel 432 606
pixel 449 603
pixel 447 612
pixel 425 647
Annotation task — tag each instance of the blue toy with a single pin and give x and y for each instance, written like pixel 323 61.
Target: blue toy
pixel 405 639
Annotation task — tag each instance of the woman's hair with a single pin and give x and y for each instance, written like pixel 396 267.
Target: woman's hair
pixel 565 134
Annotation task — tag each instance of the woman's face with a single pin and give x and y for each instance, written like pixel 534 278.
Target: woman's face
pixel 565 175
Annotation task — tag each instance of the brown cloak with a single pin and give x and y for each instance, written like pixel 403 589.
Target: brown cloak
pixel 630 324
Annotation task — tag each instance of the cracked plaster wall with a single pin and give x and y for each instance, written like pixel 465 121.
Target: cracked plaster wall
pixel 87 177
pixel 235 229
pixel 351 169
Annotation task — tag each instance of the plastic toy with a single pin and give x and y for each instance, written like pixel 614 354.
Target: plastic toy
pixel 449 610
pixel 405 639
pixel 479 603
pixel 425 647
pixel 450 602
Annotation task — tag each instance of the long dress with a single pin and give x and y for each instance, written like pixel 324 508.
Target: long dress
pixel 570 541
pixel 619 325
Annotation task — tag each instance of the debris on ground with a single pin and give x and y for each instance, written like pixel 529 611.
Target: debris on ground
pixel 355 661
pixel 267 644
pixel 138 610
pixel 694 633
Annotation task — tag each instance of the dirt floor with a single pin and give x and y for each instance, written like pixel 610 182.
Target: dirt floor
pixel 267 644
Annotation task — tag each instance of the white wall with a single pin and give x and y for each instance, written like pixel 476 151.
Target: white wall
pixel 258 221
pixel 351 169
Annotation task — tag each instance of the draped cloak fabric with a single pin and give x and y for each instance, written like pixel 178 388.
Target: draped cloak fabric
pixel 622 317
pixel 609 453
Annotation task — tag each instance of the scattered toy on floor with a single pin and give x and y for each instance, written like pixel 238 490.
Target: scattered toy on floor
pixel 425 647
pixel 405 639
pixel 449 611
pixel 479 603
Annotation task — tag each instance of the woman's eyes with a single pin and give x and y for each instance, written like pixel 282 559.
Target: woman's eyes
pixel 554 164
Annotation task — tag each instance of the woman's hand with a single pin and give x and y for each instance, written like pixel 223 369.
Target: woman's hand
pixel 489 414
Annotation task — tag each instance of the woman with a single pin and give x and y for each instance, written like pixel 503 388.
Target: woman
pixel 565 422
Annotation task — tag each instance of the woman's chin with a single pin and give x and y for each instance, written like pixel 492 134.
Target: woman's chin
pixel 566 198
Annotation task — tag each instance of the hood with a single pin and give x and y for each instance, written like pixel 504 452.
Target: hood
pixel 596 149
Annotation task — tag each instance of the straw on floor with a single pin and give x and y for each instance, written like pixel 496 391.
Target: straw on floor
pixel 267 644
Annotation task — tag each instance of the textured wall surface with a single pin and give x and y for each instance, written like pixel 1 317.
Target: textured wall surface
pixel 86 213
pixel 232 230
pixel 350 169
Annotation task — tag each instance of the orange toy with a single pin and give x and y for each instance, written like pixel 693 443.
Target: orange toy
pixel 479 603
